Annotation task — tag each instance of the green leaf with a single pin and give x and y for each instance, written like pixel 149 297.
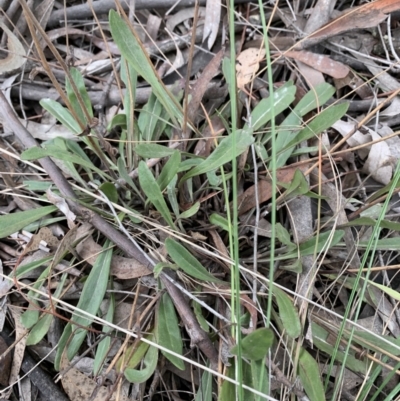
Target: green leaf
pixel 131 48
pixel 43 325
pixel 298 185
pixel 58 153
pixel 315 244
pixel 13 222
pixel 204 392
pixel 124 175
pixel 135 355
pixel 187 262
pixel 72 96
pixel 310 377
pixel 104 345
pixel 152 190
pixel 222 154
pixel 91 297
pixel 321 122
pixel 152 119
pixel 320 337
pixel 384 244
pixel 256 344
pixel 219 221
pixel 62 114
pixel 255 376
pixel 368 221
pixel 153 150
pixel 283 236
pixel 288 313
pixel 260 378
pixel 169 170
pixel 150 363
pixel 110 191
pixel 263 113
pixel 119 120
pixel 66 335
pixel 190 212
pixel 168 333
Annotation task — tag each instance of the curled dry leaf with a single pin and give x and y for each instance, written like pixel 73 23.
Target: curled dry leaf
pixel 183 15
pixel 320 62
pixel 380 161
pixel 211 23
pixel 16 56
pixel 62 205
pixel 19 349
pixel 122 268
pixel 247 64
pixel 358 138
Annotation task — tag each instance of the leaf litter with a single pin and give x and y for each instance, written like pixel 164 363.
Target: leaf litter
pixel 163 164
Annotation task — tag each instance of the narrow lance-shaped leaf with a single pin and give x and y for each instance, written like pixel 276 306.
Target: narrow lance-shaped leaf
pixel 150 187
pixel 131 48
pixel 90 300
pixel 187 262
pixel 13 222
pixel 150 364
pixel 288 313
pixel 310 377
pixel 222 154
pixel 168 331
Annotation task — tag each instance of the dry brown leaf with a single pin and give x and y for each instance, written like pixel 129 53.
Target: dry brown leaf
pixel 211 23
pixel 247 200
pixel 366 16
pixel 80 387
pixel 201 85
pixel 311 75
pixel 62 205
pixel 380 161
pixel 320 62
pixel 247 65
pixel 204 146
pixel 355 83
pixel 19 349
pixel 16 56
pixel 123 268
pixel 5 363
pixel 44 235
